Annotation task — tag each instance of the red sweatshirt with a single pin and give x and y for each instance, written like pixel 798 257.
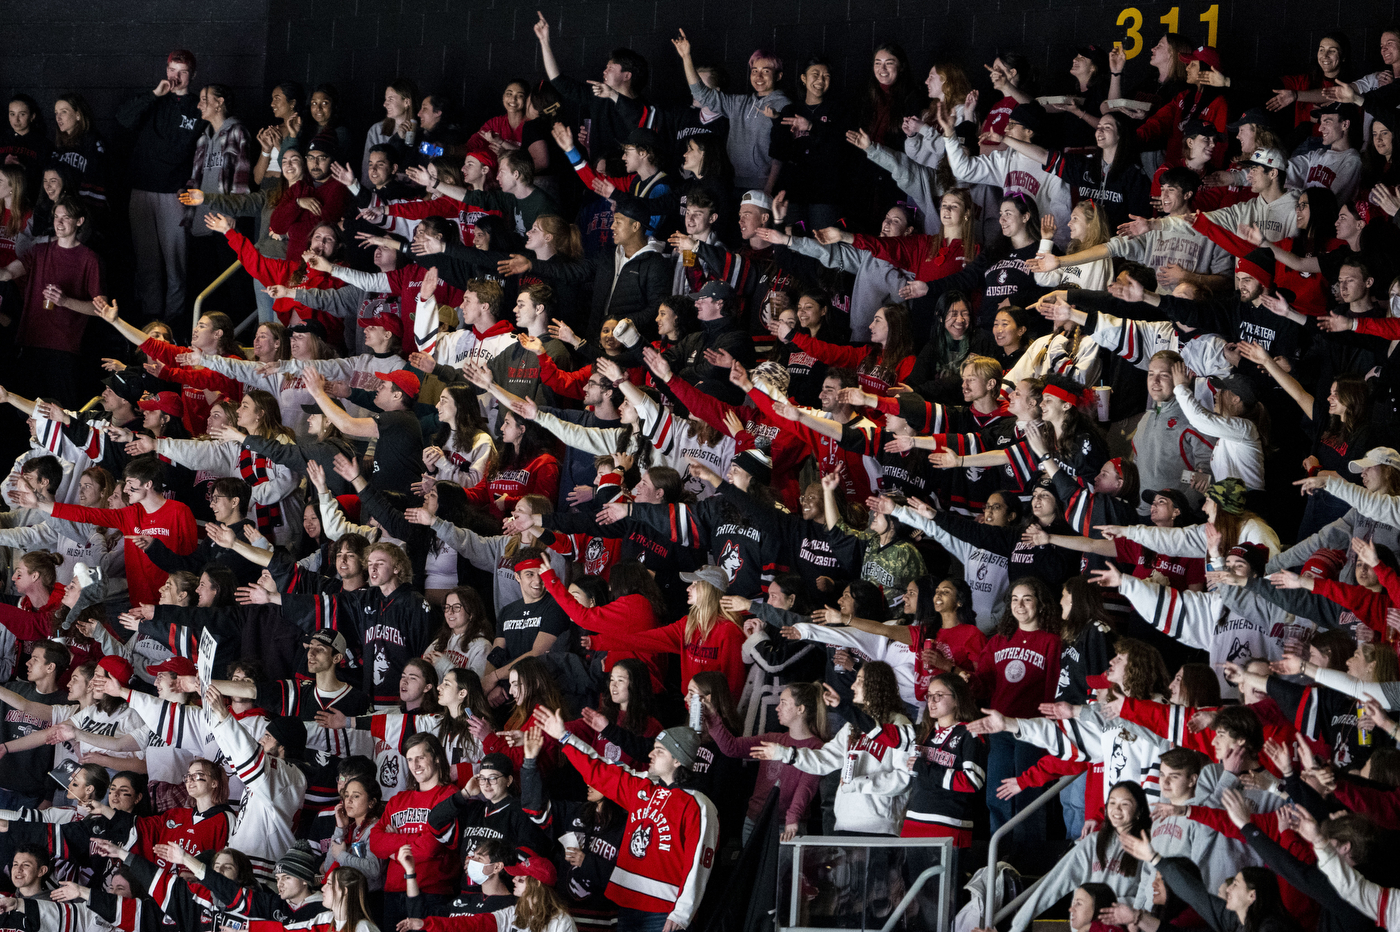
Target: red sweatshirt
pixel 629 613
pixel 1312 296
pixel 181 827
pixel 196 416
pixel 1050 768
pixel 405 820
pixel 404 282
pixel 172 523
pixel 914 254
pixel 286 272
pixel 540 476
pixel 875 381
pixel 1381 806
pixel 962 645
pixel 862 472
pixel 668 846
pixel 1171 722
pixel 1162 130
pixel 721 650
pixel 296 222
pixel 784 448
pixel 1018 673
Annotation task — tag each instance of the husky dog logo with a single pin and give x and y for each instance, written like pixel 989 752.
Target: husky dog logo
pixel 1239 651
pixel 389 772
pixel 381 665
pixel 729 559
pixel 641 841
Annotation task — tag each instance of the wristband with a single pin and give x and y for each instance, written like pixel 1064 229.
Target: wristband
pixel 408 876
pixel 1116 74
pixel 267 155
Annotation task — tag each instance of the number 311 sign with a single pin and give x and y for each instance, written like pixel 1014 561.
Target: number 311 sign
pixel 1131 17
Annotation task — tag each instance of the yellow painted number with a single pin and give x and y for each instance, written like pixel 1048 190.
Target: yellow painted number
pixel 1132 18
pixel 1212 17
pixel 1133 36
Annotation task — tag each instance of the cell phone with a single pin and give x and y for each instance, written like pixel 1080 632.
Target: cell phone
pixel 431 150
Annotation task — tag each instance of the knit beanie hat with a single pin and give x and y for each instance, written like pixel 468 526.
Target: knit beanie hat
pixel 299 862
pixel 681 743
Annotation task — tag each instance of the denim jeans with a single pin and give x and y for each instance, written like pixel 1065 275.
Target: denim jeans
pixel 635 920
pixel 1008 757
pixel 1072 802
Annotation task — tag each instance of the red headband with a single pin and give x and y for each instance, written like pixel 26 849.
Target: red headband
pixel 1117 462
pixel 1054 391
pixel 1363 211
pixel 524 565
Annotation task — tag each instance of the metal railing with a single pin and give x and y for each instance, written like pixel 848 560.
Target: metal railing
pixel 214 286
pixel 988 919
pixel 945 871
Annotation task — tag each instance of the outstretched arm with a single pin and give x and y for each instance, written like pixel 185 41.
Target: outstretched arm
pixel 359 427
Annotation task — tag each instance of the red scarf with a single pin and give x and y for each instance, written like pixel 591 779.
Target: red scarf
pixel 255 471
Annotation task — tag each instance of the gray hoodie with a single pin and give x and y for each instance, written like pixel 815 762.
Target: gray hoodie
pixel 749 130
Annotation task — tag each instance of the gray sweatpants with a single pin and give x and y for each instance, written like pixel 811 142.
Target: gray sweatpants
pixel 160 243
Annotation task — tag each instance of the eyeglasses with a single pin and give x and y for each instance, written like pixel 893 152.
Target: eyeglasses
pixel 454 609
pixel 482 778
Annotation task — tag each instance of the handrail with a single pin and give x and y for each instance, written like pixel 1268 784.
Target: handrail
pixel 988 919
pixel 945 870
pixel 213 286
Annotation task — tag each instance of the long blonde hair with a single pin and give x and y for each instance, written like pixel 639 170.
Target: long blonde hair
pixel 1097 232
pixel 537 907
pixel 706 612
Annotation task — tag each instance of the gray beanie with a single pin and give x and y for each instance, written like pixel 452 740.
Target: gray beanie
pixel 681 743
pixel 300 862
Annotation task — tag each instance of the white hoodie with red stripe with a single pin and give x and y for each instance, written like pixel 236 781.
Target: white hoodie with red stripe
pixel 274 792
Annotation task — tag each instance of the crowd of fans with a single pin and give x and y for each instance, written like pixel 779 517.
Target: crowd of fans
pixel 609 476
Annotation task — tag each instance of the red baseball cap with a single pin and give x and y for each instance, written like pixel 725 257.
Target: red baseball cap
pixel 403 379
pixel 1204 54
pixel 169 402
pixel 533 865
pixel 118 668
pixel 178 666
pixel 389 322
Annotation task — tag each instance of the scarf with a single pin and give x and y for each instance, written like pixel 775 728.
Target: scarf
pixel 256 470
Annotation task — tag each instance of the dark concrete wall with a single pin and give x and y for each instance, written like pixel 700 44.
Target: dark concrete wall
pixel 109 49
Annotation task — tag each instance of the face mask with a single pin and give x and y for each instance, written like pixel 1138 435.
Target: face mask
pixel 477 872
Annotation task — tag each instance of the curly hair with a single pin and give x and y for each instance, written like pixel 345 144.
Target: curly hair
pixel 881 699
pixel 1047 615
pixel 1145 674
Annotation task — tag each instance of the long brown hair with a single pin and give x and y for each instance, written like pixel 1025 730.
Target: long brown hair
pixel 1145 674
pixel 1352 394
pixel 714 686
pixel 83 112
pixel 353 891
pixel 809 697
pixel 404 88
pixel 228 343
pixel 965 708
pixel 969 227
pixel 278 331
pixel 899 344
pixel 478 622
pixel 21 202
pixel 1085 609
pixel 1231 526
pixel 537 907
pixel 881 692
pixel 269 416
pixel 538 688
pixel 539 505
pixel 564 236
